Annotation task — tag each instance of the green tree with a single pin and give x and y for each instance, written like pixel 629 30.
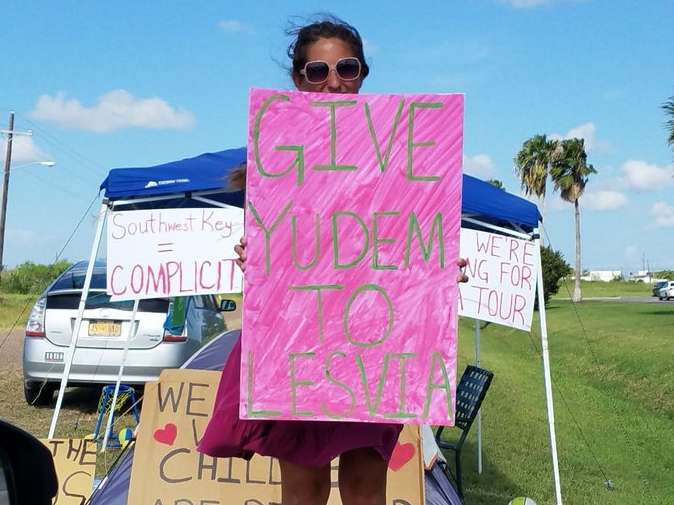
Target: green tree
pixel 554 268
pixel 569 173
pixel 496 183
pixel 532 166
pixel 668 107
pixel 31 278
pixel 664 274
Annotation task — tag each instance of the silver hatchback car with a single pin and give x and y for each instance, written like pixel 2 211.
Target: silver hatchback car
pixel 165 334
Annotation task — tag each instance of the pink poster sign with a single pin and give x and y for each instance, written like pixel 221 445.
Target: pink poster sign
pixel 352 219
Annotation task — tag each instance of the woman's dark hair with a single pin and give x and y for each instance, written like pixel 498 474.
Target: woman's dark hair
pixel 326 28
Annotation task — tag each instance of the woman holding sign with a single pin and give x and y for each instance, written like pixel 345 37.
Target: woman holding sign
pixel 327 57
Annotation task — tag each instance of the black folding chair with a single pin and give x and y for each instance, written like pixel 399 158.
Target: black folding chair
pixel 470 392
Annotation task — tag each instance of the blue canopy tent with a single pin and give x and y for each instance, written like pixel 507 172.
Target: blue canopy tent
pixel 206 174
pixel 203 174
pixel 201 181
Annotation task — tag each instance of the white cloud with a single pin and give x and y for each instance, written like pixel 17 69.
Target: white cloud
pixel 524 4
pixel 663 214
pixel 115 110
pixel 234 26
pixel 369 47
pixel 587 132
pixel 556 203
pixel 632 252
pixel 603 200
pixel 19 237
pixel 24 151
pixel 642 176
pixel 480 165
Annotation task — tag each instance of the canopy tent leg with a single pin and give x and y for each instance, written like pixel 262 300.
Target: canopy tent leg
pixel 111 412
pixel 547 378
pixel 78 320
pixel 479 412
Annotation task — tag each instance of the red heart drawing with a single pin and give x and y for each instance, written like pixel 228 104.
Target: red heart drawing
pixel 402 453
pixel 167 434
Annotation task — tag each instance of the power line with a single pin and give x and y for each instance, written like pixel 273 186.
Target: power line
pixel 51 183
pixel 595 359
pixel 74 154
pixel 58 257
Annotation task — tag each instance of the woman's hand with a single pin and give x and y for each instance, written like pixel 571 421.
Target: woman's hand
pixel 462 277
pixel 240 249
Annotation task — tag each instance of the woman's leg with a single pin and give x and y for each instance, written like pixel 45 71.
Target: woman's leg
pixel 304 485
pixel 362 477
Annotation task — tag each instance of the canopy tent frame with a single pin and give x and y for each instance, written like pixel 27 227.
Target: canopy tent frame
pixel 200 181
pixel 545 352
pixel 108 206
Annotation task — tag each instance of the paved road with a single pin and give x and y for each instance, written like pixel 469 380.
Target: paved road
pixel 625 299
pixel 639 299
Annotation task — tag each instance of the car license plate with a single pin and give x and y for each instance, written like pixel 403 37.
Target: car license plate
pixel 105 329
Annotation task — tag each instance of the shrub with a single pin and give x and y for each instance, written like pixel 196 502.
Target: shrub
pixel 664 274
pixel 554 269
pixel 31 278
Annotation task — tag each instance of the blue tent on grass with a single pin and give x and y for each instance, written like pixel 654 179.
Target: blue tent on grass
pixel 201 181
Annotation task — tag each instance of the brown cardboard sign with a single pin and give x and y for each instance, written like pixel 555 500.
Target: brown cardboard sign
pixel 75 462
pixel 168 470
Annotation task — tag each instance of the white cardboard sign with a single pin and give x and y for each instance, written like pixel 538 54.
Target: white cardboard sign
pixel 173 252
pixel 503 272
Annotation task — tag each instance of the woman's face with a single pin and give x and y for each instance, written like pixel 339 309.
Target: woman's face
pixel 328 50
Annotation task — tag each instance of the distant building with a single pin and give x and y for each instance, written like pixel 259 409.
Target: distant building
pixel 644 276
pixel 602 275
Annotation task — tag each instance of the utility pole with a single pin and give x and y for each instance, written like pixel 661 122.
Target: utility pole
pixel 5 183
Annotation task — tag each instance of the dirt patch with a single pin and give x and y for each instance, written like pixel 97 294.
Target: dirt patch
pixel 11 348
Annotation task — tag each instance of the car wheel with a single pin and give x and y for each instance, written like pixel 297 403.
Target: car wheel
pixel 660 298
pixel 38 393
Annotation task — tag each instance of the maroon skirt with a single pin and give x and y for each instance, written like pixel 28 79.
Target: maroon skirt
pixel 308 443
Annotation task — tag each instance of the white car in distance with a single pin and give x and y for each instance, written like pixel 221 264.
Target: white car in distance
pixel 667 291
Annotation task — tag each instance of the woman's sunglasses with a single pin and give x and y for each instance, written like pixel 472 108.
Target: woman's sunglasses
pixel 317 72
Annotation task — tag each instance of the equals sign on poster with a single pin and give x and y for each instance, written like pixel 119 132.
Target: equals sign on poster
pixel 165 247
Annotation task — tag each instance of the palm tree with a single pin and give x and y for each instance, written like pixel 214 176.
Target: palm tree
pixel 668 107
pixel 532 165
pixel 569 172
pixel 496 183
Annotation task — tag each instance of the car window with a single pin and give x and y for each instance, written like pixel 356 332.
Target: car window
pixel 98 300
pixel 208 302
pixel 197 302
pixel 75 280
pixel 205 302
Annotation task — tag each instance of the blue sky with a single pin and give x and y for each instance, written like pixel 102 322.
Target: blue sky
pixel 128 83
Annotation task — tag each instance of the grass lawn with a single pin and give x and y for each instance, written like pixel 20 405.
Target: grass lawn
pixel 614 407
pixel 15 309
pixel 604 289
